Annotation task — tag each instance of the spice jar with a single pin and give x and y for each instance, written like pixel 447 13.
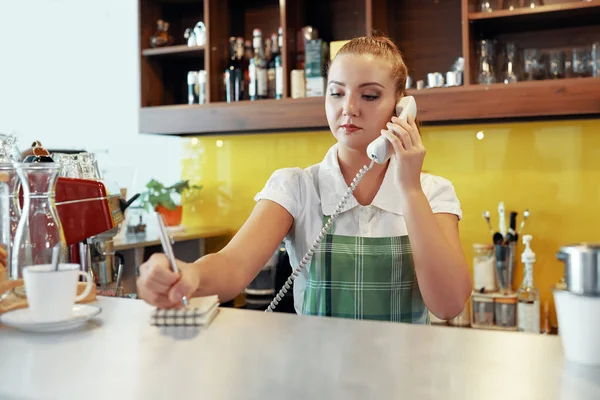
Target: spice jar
pixel 505 311
pixel 482 310
pixel 484 268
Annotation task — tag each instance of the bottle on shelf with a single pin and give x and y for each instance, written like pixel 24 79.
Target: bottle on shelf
pixel 528 296
pixel 248 54
pixel 161 37
pixel 277 50
pixel 257 70
pixel 233 77
pixel 269 41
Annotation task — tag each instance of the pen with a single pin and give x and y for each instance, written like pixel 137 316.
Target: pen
pixel 168 249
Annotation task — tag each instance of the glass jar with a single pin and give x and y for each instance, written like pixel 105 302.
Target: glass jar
pixel 484 268
pixel 510 64
pixel 487 74
pixel 534 64
pixel 482 310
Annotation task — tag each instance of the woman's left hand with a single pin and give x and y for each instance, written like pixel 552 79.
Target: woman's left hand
pixel 409 150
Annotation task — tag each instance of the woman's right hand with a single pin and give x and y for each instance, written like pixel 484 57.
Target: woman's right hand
pixel 159 286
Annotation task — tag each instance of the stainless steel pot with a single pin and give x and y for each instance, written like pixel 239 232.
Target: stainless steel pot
pixel 582 268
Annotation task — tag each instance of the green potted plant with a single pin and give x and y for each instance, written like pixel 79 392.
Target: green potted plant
pixel 167 200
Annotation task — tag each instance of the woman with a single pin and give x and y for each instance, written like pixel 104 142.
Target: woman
pixel 368 269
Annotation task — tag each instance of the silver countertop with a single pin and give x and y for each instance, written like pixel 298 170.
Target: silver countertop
pixel 254 355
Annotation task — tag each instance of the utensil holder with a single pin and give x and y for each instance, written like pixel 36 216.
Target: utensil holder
pixel 505 265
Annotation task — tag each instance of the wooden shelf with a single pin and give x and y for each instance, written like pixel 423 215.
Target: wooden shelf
pixel 563 8
pixel 431 36
pixel 474 103
pixel 244 116
pixel 175 51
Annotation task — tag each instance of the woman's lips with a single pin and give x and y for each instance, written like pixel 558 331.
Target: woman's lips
pixel 350 128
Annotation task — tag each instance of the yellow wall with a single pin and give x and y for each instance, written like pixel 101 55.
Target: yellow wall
pixel 551 168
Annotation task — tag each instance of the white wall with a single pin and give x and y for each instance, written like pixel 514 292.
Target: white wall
pixel 69 77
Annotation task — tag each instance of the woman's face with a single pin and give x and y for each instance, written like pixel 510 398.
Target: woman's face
pixel 361 98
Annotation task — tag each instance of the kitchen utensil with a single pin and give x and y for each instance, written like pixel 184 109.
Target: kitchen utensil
pixel 486 216
pixel 55 255
pixel 582 268
pixel 168 249
pixel 498 238
pixel 502 219
pixel 512 235
pixel 525 216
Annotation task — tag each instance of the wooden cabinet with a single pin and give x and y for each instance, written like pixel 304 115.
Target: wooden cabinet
pixel 431 34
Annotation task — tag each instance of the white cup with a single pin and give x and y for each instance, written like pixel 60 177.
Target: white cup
pixel 52 294
pixel 579 327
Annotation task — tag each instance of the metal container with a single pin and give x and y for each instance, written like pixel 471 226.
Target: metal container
pixel 435 79
pixel 582 268
pixel 454 78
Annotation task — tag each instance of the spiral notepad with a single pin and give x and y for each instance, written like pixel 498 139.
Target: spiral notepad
pixel 200 312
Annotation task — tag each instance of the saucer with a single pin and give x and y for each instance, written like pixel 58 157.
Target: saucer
pixel 22 320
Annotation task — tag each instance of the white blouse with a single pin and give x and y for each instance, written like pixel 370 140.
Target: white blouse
pixel 295 189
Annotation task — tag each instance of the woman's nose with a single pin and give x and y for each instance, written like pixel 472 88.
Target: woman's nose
pixel 350 108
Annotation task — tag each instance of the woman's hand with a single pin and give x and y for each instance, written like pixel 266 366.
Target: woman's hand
pixel 159 286
pixel 409 150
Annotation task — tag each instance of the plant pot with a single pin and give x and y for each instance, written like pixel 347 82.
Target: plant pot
pixel 172 217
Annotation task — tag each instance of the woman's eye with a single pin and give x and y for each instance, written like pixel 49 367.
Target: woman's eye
pixel 335 94
pixel 370 97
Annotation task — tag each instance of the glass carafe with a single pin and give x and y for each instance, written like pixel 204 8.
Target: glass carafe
pixel 9 209
pixel 39 229
pixel 9 205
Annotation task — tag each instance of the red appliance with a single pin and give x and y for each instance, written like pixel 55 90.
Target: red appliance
pixel 86 209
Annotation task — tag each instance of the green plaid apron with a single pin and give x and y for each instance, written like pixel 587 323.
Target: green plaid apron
pixel 364 278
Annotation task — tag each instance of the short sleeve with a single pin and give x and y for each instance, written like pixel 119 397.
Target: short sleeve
pixel 283 188
pixel 442 196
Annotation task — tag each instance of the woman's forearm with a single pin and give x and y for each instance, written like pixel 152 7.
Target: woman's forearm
pixel 440 266
pixel 218 276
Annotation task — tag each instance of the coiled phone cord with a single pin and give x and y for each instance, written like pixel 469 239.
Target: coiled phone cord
pixel 308 256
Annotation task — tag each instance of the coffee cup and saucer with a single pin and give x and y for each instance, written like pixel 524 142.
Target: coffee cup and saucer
pixel 52 297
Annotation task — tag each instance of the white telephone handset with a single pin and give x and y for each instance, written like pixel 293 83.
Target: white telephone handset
pixel 379 150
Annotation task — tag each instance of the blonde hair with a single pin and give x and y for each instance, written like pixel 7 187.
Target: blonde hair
pixel 380 47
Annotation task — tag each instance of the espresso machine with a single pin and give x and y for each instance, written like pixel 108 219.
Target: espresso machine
pixel 91 213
